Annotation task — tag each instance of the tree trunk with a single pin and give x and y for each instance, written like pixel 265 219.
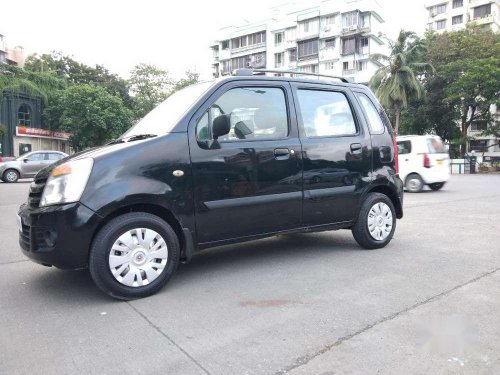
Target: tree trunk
pixel 398 115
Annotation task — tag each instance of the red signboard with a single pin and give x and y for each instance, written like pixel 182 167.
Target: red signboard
pixel 35 132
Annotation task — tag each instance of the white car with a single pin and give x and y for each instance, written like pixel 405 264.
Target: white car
pixel 423 160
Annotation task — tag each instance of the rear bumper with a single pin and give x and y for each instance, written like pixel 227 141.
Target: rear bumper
pixel 436 174
pixel 59 235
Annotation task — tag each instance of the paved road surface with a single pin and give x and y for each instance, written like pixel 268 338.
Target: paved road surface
pixel 303 304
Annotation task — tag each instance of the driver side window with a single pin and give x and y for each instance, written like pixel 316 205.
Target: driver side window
pixel 36 157
pixel 255 113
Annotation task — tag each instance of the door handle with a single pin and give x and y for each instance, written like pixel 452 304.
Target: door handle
pixel 281 153
pixel 356 148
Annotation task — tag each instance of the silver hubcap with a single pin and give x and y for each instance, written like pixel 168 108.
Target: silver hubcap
pixel 11 176
pixel 138 257
pixel 414 184
pixel 380 221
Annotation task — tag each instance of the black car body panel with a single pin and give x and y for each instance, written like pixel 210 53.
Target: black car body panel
pixel 230 193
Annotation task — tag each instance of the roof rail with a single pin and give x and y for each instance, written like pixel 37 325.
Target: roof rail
pixel 252 72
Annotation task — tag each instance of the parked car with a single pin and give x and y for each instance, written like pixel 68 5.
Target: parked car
pixel 217 163
pixel 423 160
pixel 28 165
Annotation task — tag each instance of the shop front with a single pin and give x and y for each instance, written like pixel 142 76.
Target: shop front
pixel 34 139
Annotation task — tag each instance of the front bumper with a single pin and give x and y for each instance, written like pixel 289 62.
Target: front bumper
pixel 58 235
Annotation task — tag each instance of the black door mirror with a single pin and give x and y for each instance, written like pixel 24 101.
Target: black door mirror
pixel 221 126
pixel 25 160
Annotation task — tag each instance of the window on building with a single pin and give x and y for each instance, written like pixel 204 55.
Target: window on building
pixel 345 65
pixel 456 20
pixel 404 147
pixel 365 20
pixel 440 9
pixel 226 66
pixel 306 26
pixel 363 42
pixel 350 20
pixel 292 55
pixel 258 60
pixel 483 10
pixel 440 25
pixel 279 59
pixel 307 49
pixel 24 115
pixel 362 65
pixel 458 3
pixel 329 65
pixel 348 46
pixel 325 113
pixel 255 113
pixel 225 44
pixel 278 38
pixel 479 126
pixel 478 145
pixel 374 121
pixel 330 43
pixel 257 38
pixel 330 20
pixel 312 68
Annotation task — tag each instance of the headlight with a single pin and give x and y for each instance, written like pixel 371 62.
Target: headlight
pixel 67 182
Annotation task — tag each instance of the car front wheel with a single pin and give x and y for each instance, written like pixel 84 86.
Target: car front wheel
pixel 134 256
pixel 376 222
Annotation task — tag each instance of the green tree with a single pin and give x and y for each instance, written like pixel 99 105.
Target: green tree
pixel 189 79
pixel 149 86
pixel 77 73
pixel 467 71
pixel 92 115
pixel 395 83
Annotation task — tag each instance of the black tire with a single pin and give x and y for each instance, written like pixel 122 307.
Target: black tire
pixel 10 172
pixel 360 229
pixel 103 242
pixel 436 186
pixel 414 183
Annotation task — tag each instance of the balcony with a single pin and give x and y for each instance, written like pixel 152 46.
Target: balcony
pixel 354 29
pixel 484 20
pixel 349 72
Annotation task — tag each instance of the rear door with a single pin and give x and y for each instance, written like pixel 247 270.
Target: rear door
pixel 251 182
pixel 337 153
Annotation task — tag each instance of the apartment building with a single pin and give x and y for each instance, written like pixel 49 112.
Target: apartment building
pixel 336 37
pixel 13 56
pixel 453 15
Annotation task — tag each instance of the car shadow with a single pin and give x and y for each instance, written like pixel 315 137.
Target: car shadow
pixel 77 286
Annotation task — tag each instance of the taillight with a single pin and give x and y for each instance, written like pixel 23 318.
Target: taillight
pixel 427 161
pixel 396 154
pixel 1 159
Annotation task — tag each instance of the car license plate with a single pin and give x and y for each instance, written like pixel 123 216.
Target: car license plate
pixel 440 162
pixel 19 223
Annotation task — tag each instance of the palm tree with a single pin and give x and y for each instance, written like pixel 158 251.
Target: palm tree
pixel 395 83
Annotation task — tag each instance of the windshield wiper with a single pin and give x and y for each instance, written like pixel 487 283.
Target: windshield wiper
pixel 131 138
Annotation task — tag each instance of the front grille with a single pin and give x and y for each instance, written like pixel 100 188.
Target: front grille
pixel 24 237
pixel 36 190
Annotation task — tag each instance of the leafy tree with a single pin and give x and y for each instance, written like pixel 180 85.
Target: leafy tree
pixel 189 79
pixel 14 79
pixel 92 115
pixel 77 73
pixel 150 86
pixel 468 72
pixel 396 83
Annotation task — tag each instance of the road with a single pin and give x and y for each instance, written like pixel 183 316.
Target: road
pixel 299 304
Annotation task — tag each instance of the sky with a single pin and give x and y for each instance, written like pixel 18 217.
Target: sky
pixel 173 35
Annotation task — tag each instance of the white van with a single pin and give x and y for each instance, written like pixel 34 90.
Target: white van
pixel 423 160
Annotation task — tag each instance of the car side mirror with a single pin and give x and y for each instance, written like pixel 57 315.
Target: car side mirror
pixel 25 160
pixel 221 126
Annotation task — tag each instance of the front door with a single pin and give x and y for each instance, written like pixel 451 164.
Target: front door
pixel 33 163
pixel 250 182
pixel 337 154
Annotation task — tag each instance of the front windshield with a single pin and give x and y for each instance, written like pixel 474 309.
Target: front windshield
pixel 163 118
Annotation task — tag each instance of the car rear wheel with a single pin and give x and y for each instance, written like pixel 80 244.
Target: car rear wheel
pixel 436 186
pixel 376 222
pixel 134 256
pixel 11 175
pixel 414 183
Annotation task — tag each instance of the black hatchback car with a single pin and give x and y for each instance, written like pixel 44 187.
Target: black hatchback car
pixel 236 159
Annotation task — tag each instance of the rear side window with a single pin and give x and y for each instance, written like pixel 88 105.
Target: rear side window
pixel 256 113
pixel 435 146
pixel 326 113
pixel 404 147
pixel 374 121
pixel 54 156
pixel 36 157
